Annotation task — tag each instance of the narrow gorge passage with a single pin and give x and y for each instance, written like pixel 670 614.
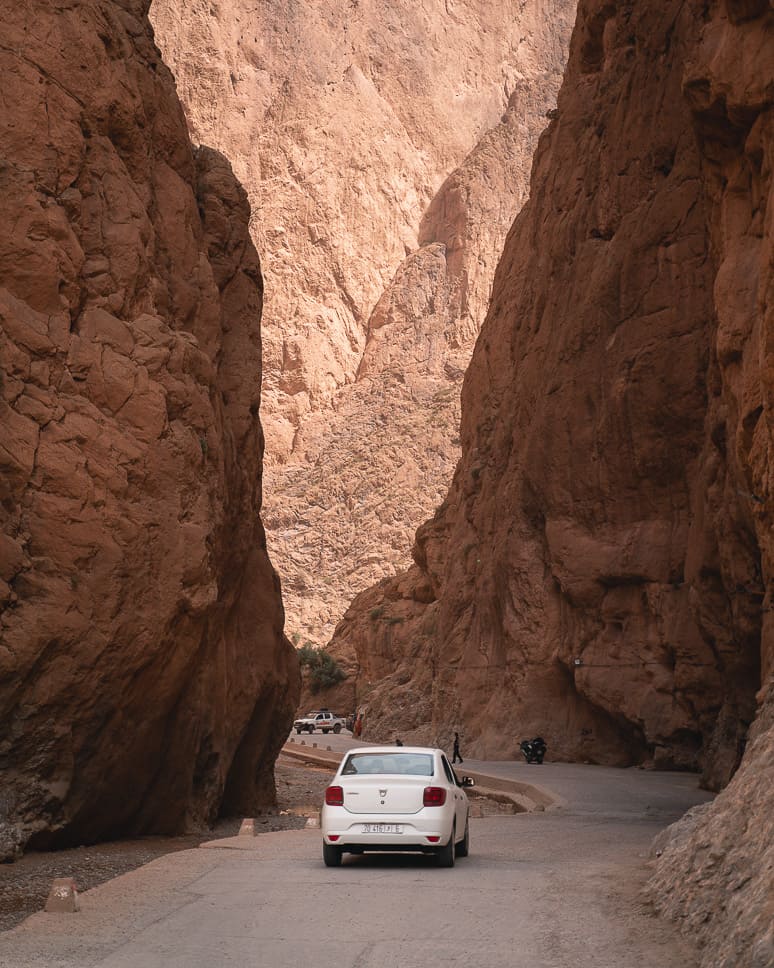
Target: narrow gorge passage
pixel 434 333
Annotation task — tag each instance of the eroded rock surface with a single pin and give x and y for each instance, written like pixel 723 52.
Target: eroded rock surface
pixel 715 867
pixel 600 571
pixel 144 679
pixel 386 146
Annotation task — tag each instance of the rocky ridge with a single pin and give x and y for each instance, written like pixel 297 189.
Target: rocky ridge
pixel 145 683
pixel 386 174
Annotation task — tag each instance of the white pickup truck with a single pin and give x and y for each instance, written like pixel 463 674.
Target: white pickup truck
pixel 322 719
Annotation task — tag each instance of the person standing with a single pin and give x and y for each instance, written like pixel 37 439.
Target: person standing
pixel 456 754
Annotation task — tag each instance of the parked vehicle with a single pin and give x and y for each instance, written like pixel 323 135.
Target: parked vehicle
pixel 533 749
pixel 387 798
pixel 322 719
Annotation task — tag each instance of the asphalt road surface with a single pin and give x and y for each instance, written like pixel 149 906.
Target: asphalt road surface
pixel 558 889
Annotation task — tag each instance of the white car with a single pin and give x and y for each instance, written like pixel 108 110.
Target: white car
pixel 389 798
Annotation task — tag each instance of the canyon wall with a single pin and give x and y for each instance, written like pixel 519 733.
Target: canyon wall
pixel 145 683
pixel 386 147
pixel 600 570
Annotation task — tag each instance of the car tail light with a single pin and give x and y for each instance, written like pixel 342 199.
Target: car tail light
pixel 433 840
pixel 333 836
pixel 433 797
pixel 334 796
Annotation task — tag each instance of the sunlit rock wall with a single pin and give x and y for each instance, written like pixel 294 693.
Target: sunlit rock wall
pixel 385 146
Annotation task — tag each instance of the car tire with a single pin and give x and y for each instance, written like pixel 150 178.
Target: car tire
pixel 463 847
pixel 331 855
pixel 445 855
pixel 337 728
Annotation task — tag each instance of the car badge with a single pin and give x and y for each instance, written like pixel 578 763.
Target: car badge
pixel 382 793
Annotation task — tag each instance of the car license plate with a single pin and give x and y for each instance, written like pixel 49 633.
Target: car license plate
pixel 382 828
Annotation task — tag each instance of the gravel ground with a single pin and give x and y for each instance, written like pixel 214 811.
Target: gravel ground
pixel 24 885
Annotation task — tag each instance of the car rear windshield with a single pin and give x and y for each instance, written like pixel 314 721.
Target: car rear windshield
pixel 405 764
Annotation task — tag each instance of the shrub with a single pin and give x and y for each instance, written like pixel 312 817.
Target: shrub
pixel 324 670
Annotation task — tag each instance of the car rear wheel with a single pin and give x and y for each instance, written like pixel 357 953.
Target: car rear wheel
pixel 331 855
pixel 445 855
pixel 337 728
pixel 463 847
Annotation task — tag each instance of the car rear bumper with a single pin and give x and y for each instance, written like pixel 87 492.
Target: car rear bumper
pixel 417 829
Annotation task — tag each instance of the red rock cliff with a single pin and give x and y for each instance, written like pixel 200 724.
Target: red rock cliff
pixel 600 571
pixel 145 683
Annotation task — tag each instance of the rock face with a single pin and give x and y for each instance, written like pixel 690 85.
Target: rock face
pixel 145 683
pixel 600 571
pixel 715 867
pixel 386 146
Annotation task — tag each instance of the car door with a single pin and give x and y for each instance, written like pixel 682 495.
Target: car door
pixel 460 800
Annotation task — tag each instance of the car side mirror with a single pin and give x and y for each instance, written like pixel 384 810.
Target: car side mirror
pixel 467 781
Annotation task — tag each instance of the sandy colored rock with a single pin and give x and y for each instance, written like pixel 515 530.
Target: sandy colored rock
pixel 144 679
pixel 600 570
pixel 387 148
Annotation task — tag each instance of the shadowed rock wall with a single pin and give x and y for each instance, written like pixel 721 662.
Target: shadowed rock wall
pixel 144 679
pixel 600 570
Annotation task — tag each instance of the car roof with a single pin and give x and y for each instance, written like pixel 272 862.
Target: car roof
pixel 394 749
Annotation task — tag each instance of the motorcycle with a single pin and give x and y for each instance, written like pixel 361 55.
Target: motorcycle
pixel 533 749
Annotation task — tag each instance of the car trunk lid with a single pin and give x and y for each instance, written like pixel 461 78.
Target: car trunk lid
pixel 384 794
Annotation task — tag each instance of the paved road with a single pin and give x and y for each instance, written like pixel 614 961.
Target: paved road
pixel 546 890
pixel 599 790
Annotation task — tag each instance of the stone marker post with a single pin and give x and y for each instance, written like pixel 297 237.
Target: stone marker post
pixel 63 896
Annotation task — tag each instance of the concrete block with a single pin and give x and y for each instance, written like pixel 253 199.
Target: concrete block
pixel 313 821
pixel 63 896
pixel 247 827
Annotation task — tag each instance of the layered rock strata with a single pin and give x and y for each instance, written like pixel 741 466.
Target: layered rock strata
pixel 600 571
pixel 145 683
pixel 387 147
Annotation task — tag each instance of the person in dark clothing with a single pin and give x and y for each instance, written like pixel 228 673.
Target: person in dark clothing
pixel 456 754
pixel 398 741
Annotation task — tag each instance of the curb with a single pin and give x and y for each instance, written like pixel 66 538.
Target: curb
pixel 528 796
